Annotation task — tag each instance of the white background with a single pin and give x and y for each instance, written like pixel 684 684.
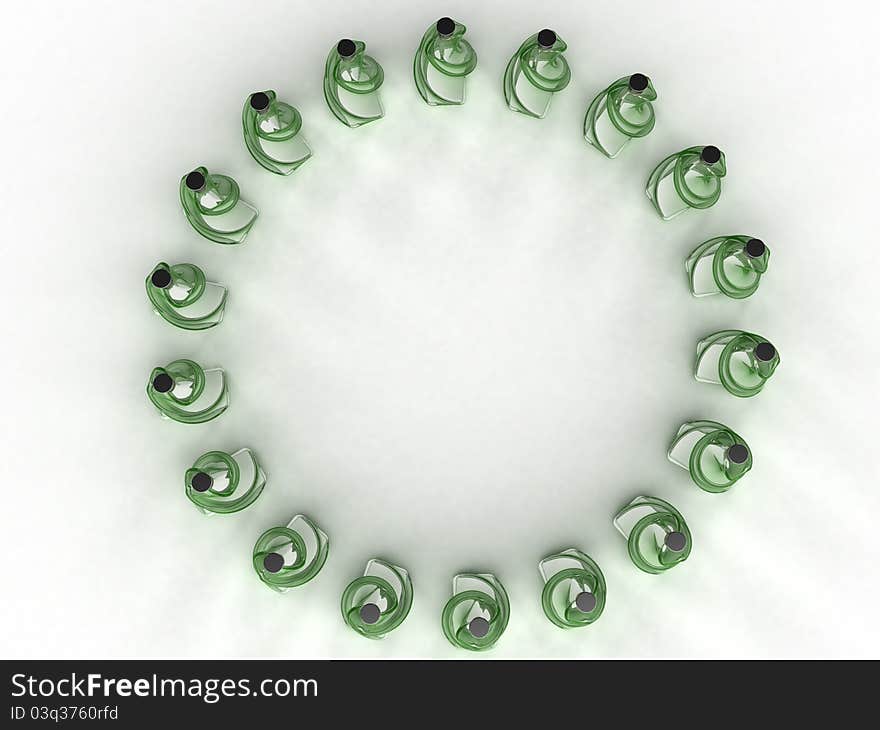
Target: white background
pixel 457 338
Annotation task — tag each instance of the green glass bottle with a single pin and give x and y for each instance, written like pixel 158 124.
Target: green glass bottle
pixel 688 179
pixel 287 557
pixel 715 456
pixel 657 537
pixel 535 72
pixel 213 206
pixel 379 601
pixel 442 63
pixel 186 392
pixel 219 483
pixel 351 84
pixel 182 296
pixel 273 133
pixel 620 113
pixel 574 589
pixel 740 361
pixel 729 265
pixel 478 612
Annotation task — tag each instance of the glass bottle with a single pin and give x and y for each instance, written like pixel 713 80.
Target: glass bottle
pixel 740 361
pixel 181 295
pixel 478 612
pixel 715 456
pixel 219 483
pixel 287 557
pixel 187 393
pixel 688 179
pixel 378 601
pixel 213 206
pixel 272 133
pixel 657 536
pixel 729 265
pixel 574 589
pixel 442 63
pixel 536 72
pixel 351 84
pixel 620 113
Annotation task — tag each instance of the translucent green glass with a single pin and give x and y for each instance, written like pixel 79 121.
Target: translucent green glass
pixel 187 393
pixel 213 206
pixel 715 456
pixel 351 84
pixel 729 265
pixel 657 536
pixel 535 72
pixel 740 361
pixel 378 601
pixel 219 483
pixel 442 63
pixel 181 295
pixel 287 557
pixel 273 133
pixel 478 612
pixel 574 589
pixel 620 113
pixel 688 179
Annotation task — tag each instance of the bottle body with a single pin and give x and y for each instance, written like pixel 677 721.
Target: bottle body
pixel 715 456
pixel 273 133
pixel 287 557
pixel 656 534
pixel 477 614
pixel 739 361
pixel 620 113
pixel 574 589
pixel 536 72
pixel 222 483
pixel 182 296
pixel 443 61
pixel 688 179
pixel 213 206
pixel 185 392
pixel 351 84
pixel 729 265
pixel 378 601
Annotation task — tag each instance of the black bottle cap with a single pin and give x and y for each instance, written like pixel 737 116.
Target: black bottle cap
pixel 346 48
pixel 546 38
pixel 478 627
pixel 201 482
pixel 585 602
pixel 162 383
pixel 446 26
pixel 675 541
pixel 259 101
pixel 738 453
pixel 161 278
pixel 195 180
pixel 765 351
pixel 370 613
pixel 710 154
pixel 273 562
pixel 755 248
pixel 638 83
